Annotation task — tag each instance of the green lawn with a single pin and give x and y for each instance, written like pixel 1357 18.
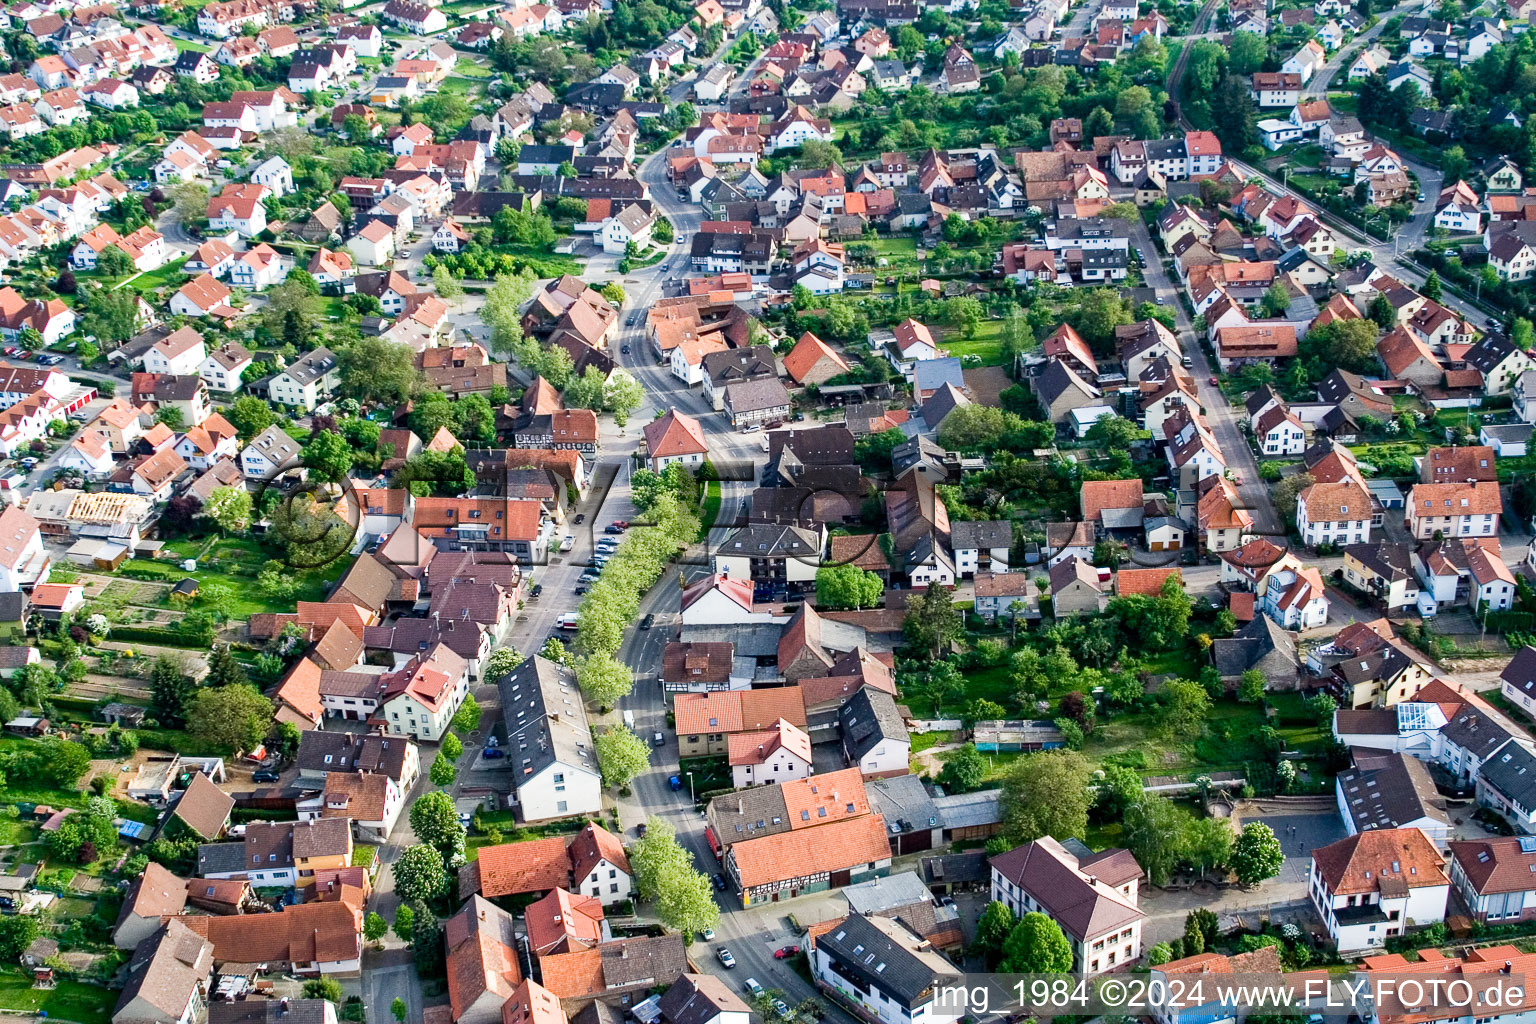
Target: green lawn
pixel 468 68
pixel 170 274
pixel 987 344
pixel 239 576
pixel 711 510
pixel 461 86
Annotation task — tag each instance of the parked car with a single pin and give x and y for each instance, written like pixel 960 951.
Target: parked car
pixel 658 740
pixel 786 952
pixel 675 782
pixel 753 988
pixel 725 957
pixel 567 543
pixel 708 935
pixel 265 775
pixel 640 831
pixel 581 590
pixel 719 881
pixel 781 1008
pixel 587 577
pixel 538 588
pixel 624 350
pixel 581 517
pixel 493 753
pixel 648 621
pixel 613 528
pixel 622 524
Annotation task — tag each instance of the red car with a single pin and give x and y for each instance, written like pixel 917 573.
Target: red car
pixel 785 953
pixel 1214 382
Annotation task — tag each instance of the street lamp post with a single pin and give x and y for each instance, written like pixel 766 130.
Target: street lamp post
pixel 690 788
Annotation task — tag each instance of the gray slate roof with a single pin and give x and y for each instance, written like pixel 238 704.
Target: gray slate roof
pixel 869 719
pixel 529 695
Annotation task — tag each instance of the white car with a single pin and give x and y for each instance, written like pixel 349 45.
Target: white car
pixel 726 958
pixel 567 543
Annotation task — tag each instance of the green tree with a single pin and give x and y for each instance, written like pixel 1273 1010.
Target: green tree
pixel 622 396
pixel 1431 287
pixel 114 262
pixel 453 747
pixel 964 770
pixel 230 508
pixel 613 292
pixel 665 874
pixel 419 876
pixel 1276 300
pixel 1156 832
pixel 1346 344
pixel 324 988
pixel 1250 687
pixel 231 718
pixel 992 930
pixel 435 821
pixel 250 416
pixel 442 772
pixel 427 943
pixel 502 311
pixel 622 756
pixel 1194 937
pixel 447 286
pixel 1046 794
pixel 1209 843
pixel 467 719
pixel 1382 311
pixel 1184 709
pixel 399 1009
pixel 328 456
pixel 405 919
pixel 63 762
pixel 1522 334
pixel 224 669
pixel 374 927
pixel 1256 854
pixel 1036 945
pixel 932 622
pixel 375 370
pixel 171 691
pixel 847 586
pixel 1246 53
pixel 171 416
pixel 17 932
pixel 604 679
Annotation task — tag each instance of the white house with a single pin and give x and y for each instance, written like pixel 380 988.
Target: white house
pixel 1496 877
pixel 549 742
pixel 633 223
pixel 180 353
pixel 1336 513
pixel 23 560
pixel 599 866
pixel 875 739
pixel 268 454
pixel 239 209
pixel 1092 896
pixel 307 381
pixel 223 366
pixel 275 174
pixel 1454 510
pixel 423 696
pixel 771 756
pixel 1294 596
pixel 1372 886
pixel 981 545
pixel 883 968
pixel 674 438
